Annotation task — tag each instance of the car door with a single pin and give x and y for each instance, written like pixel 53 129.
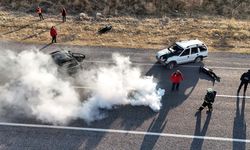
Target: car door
pixel 184 56
pixel 194 53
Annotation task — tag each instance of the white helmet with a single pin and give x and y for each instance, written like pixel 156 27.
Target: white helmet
pixel 209 90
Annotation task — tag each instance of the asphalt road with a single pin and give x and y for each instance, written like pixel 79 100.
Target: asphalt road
pixel 176 126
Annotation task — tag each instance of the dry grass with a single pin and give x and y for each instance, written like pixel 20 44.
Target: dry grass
pixel 228 8
pixel 219 34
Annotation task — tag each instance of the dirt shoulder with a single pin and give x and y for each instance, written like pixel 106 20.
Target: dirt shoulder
pixel 219 34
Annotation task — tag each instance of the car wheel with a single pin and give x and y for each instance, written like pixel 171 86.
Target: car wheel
pixel 198 59
pixel 171 65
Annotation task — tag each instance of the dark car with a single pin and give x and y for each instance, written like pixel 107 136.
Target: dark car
pixel 67 61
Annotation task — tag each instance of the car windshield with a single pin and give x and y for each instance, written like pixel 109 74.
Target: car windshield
pixel 176 49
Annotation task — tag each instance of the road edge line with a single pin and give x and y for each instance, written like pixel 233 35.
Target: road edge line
pixel 125 132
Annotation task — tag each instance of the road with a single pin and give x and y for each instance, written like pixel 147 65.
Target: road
pixel 175 126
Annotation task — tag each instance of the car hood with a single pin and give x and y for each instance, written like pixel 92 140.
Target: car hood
pixel 163 52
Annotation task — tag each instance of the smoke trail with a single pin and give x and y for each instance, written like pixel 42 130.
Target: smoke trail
pixel 31 86
pixel 119 84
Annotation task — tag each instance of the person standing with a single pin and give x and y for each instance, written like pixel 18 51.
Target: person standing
pixel 53 34
pixel 245 79
pixel 208 100
pixel 39 12
pixel 176 78
pixel 64 14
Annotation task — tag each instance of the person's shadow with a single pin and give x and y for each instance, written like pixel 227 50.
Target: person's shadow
pixel 197 143
pixel 45 46
pixel 239 129
pixel 171 99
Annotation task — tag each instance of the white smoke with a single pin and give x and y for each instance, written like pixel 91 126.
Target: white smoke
pixel 31 86
pixel 119 84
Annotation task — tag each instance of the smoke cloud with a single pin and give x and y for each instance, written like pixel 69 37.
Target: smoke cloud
pixel 119 84
pixel 31 86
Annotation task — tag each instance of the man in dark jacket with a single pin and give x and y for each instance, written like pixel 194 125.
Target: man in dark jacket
pixel 245 79
pixel 64 14
pixel 208 100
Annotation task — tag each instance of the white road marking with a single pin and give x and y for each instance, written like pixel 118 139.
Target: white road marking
pixel 98 61
pixel 126 53
pixel 232 96
pixel 152 64
pixel 126 132
pixel 110 62
pixel 226 96
pixel 230 68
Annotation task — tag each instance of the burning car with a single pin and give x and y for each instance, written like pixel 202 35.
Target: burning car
pixel 67 61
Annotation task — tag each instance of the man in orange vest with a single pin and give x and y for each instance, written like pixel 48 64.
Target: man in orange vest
pixel 39 12
pixel 53 34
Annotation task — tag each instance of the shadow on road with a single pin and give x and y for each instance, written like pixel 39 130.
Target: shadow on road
pixel 197 143
pixel 239 129
pixel 171 99
pixel 45 46
pixel 130 117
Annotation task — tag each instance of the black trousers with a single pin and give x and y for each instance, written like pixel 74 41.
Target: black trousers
pixel 206 104
pixel 41 16
pixel 64 18
pixel 175 86
pixel 245 86
pixel 53 39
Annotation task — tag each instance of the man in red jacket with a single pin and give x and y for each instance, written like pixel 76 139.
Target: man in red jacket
pixel 176 78
pixel 64 14
pixel 53 34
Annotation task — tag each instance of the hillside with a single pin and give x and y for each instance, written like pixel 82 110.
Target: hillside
pixel 128 32
pixel 228 8
pixel 136 23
